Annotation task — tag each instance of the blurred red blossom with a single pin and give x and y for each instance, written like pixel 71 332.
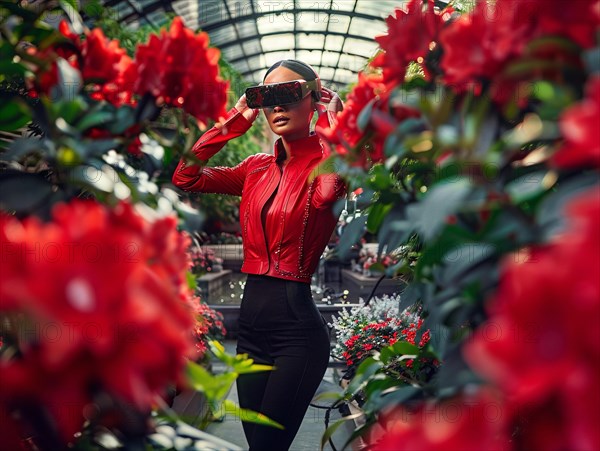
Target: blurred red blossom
pixel 209 326
pixel 579 126
pixel 103 64
pixel 470 422
pixel 480 46
pixel 547 356
pixel 364 143
pixel 412 33
pixel 180 68
pixel 100 305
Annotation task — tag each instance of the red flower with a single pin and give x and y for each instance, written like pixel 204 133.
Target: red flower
pixel 425 338
pixel 575 20
pixel 541 344
pixel 469 422
pixel 103 295
pixel 479 46
pixel 476 48
pixel 105 66
pixel 364 146
pixel 579 126
pixel 411 34
pixel 179 67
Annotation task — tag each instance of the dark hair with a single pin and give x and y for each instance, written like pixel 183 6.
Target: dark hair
pixel 302 69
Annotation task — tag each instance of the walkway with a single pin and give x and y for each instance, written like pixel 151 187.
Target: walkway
pixel 313 426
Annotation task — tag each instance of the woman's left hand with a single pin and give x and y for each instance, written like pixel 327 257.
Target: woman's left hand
pixel 332 100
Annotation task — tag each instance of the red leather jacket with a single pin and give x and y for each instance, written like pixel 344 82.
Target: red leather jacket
pixel 288 237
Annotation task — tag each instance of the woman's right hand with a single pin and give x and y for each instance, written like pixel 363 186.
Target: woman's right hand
pixel 247 112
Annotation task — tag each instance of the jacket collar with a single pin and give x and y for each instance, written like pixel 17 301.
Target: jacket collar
pixel 308 147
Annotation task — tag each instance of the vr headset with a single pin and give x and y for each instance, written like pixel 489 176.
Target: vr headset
pixel 265 96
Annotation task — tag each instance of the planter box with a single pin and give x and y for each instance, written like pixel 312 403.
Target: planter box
pixel 191 405
pixel 232 255
pixel 361 286
pixel 211 283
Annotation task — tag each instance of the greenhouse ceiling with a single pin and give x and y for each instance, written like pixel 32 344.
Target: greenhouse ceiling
pixel 334 36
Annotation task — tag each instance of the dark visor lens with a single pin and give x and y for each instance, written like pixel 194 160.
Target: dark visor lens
pixel 274 94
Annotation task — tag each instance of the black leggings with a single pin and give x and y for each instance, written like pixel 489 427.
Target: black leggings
pixel 281 326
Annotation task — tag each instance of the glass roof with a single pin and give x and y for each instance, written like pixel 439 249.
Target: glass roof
pixel 334 36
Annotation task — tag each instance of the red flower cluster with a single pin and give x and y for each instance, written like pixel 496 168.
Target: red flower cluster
pixel 204 260
pixel 177 67
pixel 99 306
pixel 375 336
pixel 180 68
pixel 545 352
pixel 579 126
pixel 478 46
pixel 365 144
pixel 467 423
pixel 412 33
pixel 103 64
pixel 209 326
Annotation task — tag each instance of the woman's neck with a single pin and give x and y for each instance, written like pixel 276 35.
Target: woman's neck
pixel 289 142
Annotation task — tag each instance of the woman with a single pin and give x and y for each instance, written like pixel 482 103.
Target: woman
pixel 286 221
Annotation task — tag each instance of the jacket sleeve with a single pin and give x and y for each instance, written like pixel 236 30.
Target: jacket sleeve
pixel 193 176
pixel 328 189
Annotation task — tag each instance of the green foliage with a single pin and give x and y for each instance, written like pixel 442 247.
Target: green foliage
pixel 376 385
pixel 217 387
pixel 463 188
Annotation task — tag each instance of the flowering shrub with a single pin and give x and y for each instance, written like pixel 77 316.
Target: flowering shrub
pixel 204 260
pixel 96 313
pixel 209 326
pixel 189 79
pixel 367 329
pixel 179 68
pixel 368 262
pixel 97 307
pixel 493 186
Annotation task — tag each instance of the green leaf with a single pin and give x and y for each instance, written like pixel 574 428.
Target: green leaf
pixel 380 178
pixel 429 215
pixel 351 235
pixel 164 135
pixel 392 396
pixel 395 229
pixel 250 415
pixel 13 116
pixel 191 280
pixel 335 426
pixel 21 147
pixel 23 192
pixel 527 187
pixel 378 384
pixel 364 117
pixel 376 216
pixel 69 81
pixel 359 432
pixel 402 348
pixel 70 110
pixel 240 363
pixel 96 119
pixel 215 387
pixel 365 370
pixel 124 119
pixel 551 212
pixel 462 259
